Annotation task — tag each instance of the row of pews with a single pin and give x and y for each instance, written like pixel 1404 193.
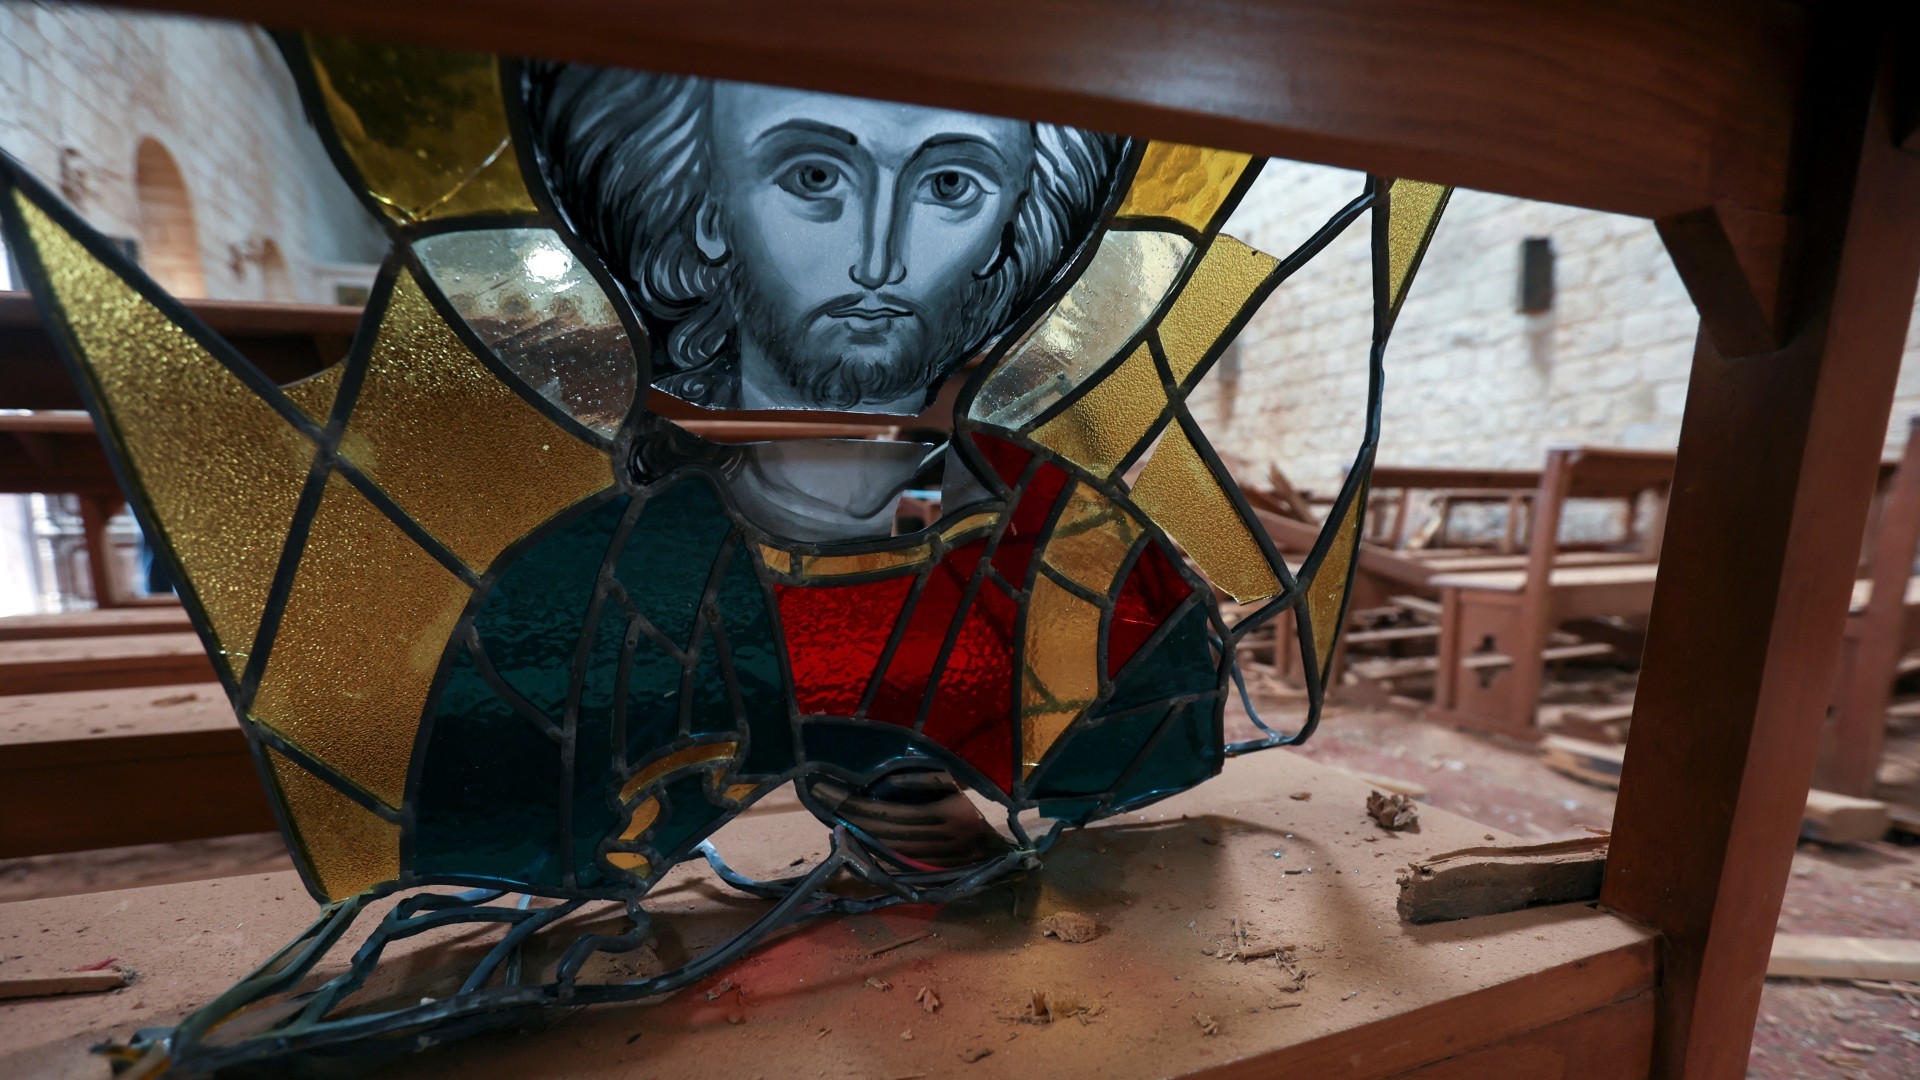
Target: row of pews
pixel 1467 623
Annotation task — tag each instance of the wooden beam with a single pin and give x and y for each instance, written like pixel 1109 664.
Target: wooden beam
pixel 1738 302
pixel 1636 106
pixel 1777 459
pixel 1489 880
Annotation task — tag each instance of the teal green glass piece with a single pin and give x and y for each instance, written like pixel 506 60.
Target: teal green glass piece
pixel 854 747
pixel 747 617
pixel 1094 758
pixel 535 611
pixel 488 801
pixel 593 765
pixel 1182 663
pixel 666 564
pixel 711 709
pixel 1187 753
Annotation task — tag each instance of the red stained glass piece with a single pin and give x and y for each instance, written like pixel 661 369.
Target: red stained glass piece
pixel 1024 524
pixel 934 614
pixel 1152 591
pixel 1007 460
pixel 835 635
pixel 972 712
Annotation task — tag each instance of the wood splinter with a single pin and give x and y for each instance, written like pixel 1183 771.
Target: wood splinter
pixel 1492 879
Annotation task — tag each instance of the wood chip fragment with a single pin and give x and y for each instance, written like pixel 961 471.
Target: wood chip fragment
pixel 725 985
pixel 1301 796
pixel 877 983
pixel 929 1001
pixel 974 1053
pixel 1392 812
pixel 1207 1024
pixel 1070 926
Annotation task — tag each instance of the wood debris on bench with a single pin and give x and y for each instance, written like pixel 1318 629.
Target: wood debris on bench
pixel 1489 880
pixel 1829 818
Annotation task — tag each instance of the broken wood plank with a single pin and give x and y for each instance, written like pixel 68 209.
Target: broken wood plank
pixel 1811 956
pixel 1828 819
pixel 1842 819
pixel 1392 634
pixel 72 982
pixel 1599 715
pixel 1387 670
pixel 1583 651
pixel 1419 605
pixel 1489 880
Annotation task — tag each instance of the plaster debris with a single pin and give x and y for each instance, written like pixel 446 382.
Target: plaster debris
pixel 929 1001
pixel 1392 812
pixel 877 983
pixel 1070 926
pixel 1208 1026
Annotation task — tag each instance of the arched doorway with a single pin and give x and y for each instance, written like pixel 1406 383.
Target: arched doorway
pixel 169 242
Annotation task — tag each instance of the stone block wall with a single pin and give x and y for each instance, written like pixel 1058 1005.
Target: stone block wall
pixel 81 89
pixel 1471 380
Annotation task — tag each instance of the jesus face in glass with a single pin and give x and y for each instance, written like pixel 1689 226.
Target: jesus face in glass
pixel 860 228
pixel 790 249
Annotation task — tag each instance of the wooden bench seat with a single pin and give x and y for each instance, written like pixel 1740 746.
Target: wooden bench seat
pixel 102 663
pixel 1569 985
pixel 168 618
pixel 137 765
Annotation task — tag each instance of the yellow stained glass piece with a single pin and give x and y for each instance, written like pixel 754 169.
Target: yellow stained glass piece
pixel 1227 277
pixel 826 566
pixel 636 865
pixel 1097 431
pixel 737 792
pixel 219 469
pixel 1091 540
pixel 1189 184
pixel 1413 212
pixel 1062 673
pixel 349 848
pixel 427 128
pixel 453 445
pixel 315 393
pixel 1123 285
pixel 780 562
pixel 963 528
pixel 642 819
pixel 674 762
pixel 1182 496
pixel 1328 589
pixel 361 636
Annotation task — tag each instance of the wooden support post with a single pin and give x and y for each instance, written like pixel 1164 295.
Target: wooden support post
pixel 1851 753
pixel 95 514
pixel 1728 261
pixel 1776 465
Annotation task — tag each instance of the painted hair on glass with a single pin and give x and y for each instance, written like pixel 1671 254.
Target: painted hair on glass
pixel 512 637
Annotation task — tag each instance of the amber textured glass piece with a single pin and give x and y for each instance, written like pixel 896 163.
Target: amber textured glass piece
pixel 831 566
pixel 1189 184
pixel 455 446
pixel 674 762
pixel 1413 212
pixel 1328 589
pixel 1090 540
pixel 315 393
pixel 365 625
pixel 219 469
pixel 350 848
pixel 427 128
pixel 1227 277
pixel 1097 431
pixel 1181 494
pixel 637 865
pixel 1062 672
pixel 1124 284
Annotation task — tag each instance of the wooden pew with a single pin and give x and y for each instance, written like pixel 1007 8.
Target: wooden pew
pixel 1883 625
pixel 56 665
pixel 90 769
pixel 1495 624
pixel 96 622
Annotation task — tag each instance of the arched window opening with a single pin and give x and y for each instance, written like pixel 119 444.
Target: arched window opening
pixel 169 241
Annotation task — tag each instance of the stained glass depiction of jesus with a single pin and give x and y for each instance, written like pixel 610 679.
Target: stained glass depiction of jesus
pixel 491 621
